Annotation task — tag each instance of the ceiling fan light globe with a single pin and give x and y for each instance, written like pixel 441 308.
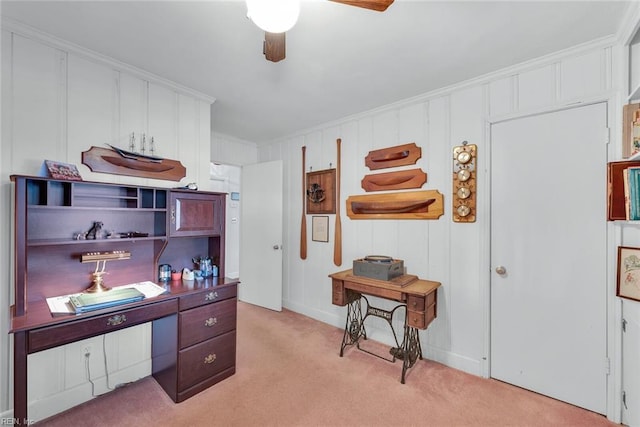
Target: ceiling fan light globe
pixel 274 16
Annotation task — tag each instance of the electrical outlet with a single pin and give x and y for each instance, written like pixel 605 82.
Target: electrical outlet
pixel 86 351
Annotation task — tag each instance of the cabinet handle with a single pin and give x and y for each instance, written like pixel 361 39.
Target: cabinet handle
pixel 210 359
pixel 210 321
pixel 173 214
pixel 116 320
pixel 211 296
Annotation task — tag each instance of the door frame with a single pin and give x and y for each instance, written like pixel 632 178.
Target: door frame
pixel 613 304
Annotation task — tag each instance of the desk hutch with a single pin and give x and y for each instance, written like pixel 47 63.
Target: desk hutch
pixel 193 323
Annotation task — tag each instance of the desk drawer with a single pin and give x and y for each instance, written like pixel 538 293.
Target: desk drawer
pixel 201 361
pixel 415 303
pixel 421 319
pixel 207 296
pixel 53 336
pixel 337 292
pixel 207 321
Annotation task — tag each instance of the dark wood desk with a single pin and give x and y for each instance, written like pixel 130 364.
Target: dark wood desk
pixel 194 324
pixel 418 297
pixel 193 342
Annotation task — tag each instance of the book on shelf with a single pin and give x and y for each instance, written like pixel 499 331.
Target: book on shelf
pixel 631 179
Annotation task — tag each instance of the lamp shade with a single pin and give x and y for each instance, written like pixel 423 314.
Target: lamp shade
pixel 274 16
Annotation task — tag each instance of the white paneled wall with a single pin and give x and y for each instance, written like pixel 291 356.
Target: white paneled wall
pixel 229 150
pixel 452 253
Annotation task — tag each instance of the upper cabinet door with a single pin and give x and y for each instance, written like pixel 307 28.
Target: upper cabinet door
pixel 195 214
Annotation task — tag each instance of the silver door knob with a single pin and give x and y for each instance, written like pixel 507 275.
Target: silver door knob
pixel 501 270
pixel 276 247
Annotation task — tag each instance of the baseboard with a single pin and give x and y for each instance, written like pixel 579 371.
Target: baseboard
pixel 452 360
pixel 59 402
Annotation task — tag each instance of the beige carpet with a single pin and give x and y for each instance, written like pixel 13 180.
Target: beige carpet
pixel 289 373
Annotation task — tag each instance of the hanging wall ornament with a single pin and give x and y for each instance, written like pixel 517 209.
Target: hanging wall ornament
pixel 320 192
pixel 464 182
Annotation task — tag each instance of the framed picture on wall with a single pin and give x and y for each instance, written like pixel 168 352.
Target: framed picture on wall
pixel 320 229
pixel 630 130
pixel 628 282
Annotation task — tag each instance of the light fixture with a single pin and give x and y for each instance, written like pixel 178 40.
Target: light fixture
pixel 101 258
pixel 273 16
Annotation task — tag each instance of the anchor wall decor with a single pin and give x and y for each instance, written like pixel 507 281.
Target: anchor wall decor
pixel 321 192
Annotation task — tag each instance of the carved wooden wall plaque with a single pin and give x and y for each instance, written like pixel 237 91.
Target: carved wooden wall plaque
pixel 110 161
pixel 400 155
pixel 427 204
pixel 400 180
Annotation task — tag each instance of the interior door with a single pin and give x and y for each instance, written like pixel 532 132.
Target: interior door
pixel 631 367
pixel 548 254
pixel 261 235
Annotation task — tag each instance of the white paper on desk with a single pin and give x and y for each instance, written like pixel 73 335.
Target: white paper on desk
pixel 149 289
pixel 61 304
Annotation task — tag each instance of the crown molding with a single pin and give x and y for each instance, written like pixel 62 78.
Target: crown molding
pixel 555 57
pixel 23 30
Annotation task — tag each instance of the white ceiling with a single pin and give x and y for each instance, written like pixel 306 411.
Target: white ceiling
pixel 341 60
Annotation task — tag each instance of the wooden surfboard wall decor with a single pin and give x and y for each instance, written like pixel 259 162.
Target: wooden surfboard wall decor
pixel 109 161
pixel 426 204
pixel 400 180
pixel 400 155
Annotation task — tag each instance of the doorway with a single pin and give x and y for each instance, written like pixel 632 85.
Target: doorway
pixel 549 254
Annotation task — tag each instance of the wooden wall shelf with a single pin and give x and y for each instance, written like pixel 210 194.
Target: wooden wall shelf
pixel 427 204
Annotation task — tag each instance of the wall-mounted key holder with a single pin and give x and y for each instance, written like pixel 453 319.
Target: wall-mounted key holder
pixel 464 182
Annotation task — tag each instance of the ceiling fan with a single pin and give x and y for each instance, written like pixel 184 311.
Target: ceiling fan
pixel 285 13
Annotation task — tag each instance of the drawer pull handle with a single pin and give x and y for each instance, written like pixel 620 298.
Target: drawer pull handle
pixel 210 359
pixel 211 296
pixel 116 320
pixel 210 321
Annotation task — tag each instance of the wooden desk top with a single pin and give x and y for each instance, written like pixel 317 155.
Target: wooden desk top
pixel 38 314
pixel 417 287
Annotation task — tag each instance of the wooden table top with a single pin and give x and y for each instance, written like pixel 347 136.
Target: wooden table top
pixel 415 285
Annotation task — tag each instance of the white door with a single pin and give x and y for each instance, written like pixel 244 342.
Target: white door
pixel 631 367
pixel 548 233
pixel 261 235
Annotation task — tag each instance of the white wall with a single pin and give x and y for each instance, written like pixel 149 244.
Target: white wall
pixel 454 254
pixel 229 150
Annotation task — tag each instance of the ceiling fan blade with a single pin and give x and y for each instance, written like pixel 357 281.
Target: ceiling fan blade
pixel 377 5
pixel 274 46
